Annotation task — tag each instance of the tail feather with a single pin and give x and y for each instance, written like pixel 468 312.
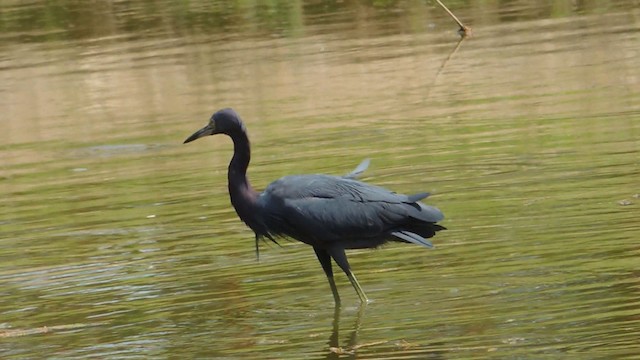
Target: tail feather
pixel 412 238
pixel 417 232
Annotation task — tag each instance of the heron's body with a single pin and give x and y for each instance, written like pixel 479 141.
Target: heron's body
pixel 330 213
pixel 341 212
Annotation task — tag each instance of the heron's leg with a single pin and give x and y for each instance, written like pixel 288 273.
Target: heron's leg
pixel 341 259
pixel 257 247
pixel 325 261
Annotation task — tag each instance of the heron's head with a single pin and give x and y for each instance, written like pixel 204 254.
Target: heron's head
pixel 224 121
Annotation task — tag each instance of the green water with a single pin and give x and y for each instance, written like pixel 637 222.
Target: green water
pixel 117 241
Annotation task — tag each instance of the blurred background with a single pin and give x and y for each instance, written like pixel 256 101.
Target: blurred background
pixel 117 241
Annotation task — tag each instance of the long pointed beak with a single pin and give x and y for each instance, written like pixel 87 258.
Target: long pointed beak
pixel 207 130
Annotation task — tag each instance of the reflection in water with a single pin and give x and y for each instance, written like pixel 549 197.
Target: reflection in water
pixel 444 64
pixel 351 344
pixel 113 246
pixel 348 346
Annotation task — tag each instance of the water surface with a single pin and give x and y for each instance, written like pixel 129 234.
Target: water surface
pixel 116 241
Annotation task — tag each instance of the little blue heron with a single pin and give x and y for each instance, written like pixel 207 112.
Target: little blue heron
pixel 330 213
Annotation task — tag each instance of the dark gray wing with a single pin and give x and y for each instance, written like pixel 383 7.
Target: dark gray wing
pixel 321 208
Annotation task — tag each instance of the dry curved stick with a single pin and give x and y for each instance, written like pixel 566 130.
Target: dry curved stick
pixel 464 31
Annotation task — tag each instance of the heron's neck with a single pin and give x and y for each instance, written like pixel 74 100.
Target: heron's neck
pixel 243 196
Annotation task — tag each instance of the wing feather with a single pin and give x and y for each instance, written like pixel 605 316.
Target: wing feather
pixel 314 208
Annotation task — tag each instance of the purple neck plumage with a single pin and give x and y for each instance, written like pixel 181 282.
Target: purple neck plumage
pixel 243 196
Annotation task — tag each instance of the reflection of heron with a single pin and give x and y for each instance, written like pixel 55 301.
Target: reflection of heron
pixel 330 213
pixel 352 346
pixel 335 350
